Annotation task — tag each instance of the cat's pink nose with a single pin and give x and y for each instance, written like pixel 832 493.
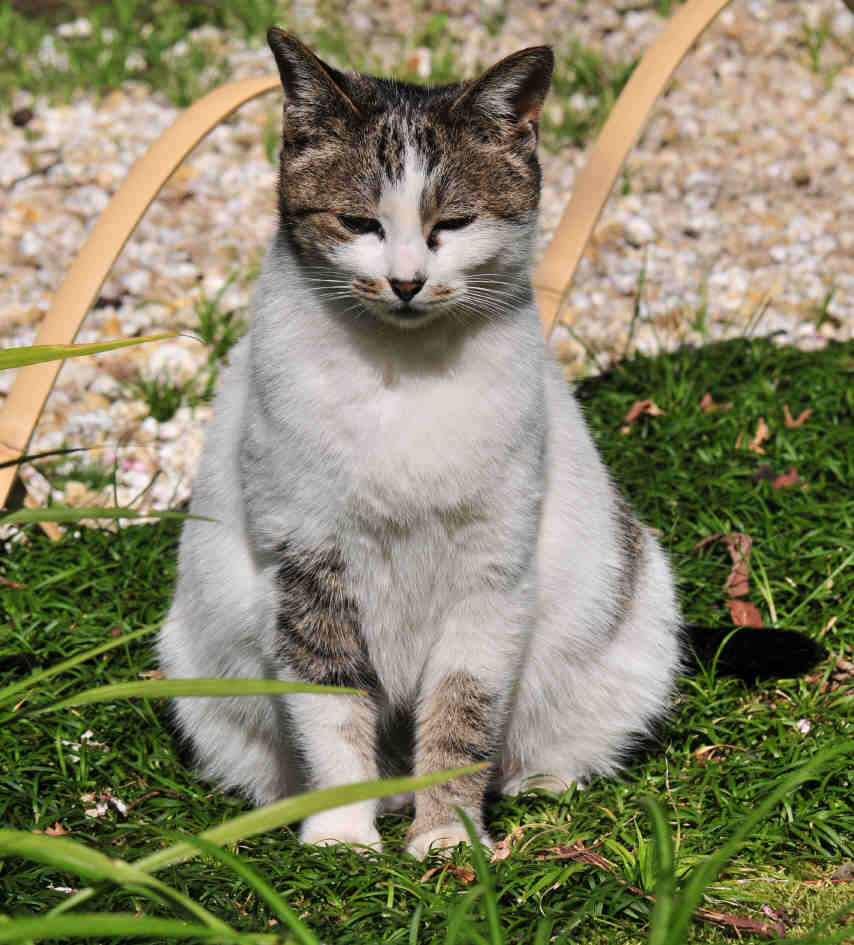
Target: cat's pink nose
pixel 406 290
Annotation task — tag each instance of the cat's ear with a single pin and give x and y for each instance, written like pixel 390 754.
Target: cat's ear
pixel 513 90
pixel 307 80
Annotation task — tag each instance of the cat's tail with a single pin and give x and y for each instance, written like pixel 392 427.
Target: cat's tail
pixel 750 652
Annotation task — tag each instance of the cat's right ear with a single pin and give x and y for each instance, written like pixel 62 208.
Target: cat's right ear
pixel 307 80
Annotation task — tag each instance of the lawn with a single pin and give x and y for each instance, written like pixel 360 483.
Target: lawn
pixel 578 867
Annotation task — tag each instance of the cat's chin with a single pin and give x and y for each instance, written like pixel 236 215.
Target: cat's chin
pixel 406 319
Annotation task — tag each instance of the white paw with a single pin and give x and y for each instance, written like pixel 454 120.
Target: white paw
pixel 443 840
pixel 342 825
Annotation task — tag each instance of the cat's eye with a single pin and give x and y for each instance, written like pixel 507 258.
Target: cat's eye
pixel 452 223
pixel 361 225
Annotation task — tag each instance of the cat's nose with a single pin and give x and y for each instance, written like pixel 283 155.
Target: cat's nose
pixel 406 290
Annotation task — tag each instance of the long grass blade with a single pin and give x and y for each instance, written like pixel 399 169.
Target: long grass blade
pixel 37 354
pixel 707 870
pixel 184 688
pixel 122 925
pixel 485 879
pixel 665 887
pixel 69 856
pixel 71 513
pixel 301 932
pixel 287 811
pixel 291 809
pixel 40 675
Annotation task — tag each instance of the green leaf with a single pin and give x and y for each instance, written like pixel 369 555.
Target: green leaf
pixel 37 354
pixel 69 513
pixel 183 688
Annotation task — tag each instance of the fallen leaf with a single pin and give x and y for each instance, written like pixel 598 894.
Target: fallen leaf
pixel 707 404
pixel 638 409
pixel 57 830
pixel 463 874
pixel 738 545
pixel 501 849
pixel 761 435
pixel 744 614
pixel 14 584
pixel 801 419
pixel 828 626
pixel 788 478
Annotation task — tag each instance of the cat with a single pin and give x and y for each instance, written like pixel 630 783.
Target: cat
pixel 407 498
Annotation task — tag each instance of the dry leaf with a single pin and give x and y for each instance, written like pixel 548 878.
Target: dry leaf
pixel 802 417
pixel 638 409
pixel 57 830
pixel 463 874
pixel 744 614
pixel 761 435
pixel 738 545
pixel 788 478
pixel 828 626
pixel 707 404
pixel 737 583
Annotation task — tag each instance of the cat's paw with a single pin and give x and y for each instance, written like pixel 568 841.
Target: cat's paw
pixel 442 840
pixel 340 826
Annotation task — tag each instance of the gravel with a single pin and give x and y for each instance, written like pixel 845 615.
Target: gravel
pixel 735 210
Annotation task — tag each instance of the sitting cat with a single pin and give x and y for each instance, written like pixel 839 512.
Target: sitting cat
pixel 407 499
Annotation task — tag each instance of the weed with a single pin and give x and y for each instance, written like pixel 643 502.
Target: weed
pixel 162 395
pixel 586 86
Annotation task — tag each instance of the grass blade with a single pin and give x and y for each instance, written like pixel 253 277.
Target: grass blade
pixel 665 887
pixel 287 811
pixel 37 354
pixel 184 688
pixel 13 688
pixel 73 857
pixel 301 932
pixel 485 879
pixel 291 809
pixel 707 870
pixel 128 925
pixel 69 513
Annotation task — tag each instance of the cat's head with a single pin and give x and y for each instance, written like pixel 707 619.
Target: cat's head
pixel 407 201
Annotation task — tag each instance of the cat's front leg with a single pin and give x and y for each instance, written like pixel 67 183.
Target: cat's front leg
pixel 463 704
pixel 319 640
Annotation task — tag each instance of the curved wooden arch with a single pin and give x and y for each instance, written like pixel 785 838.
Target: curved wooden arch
pixel 84 279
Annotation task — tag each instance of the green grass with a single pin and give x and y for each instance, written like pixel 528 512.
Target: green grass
pixel 683 472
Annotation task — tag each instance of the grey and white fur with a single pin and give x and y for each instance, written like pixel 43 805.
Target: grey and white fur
pixel 407 499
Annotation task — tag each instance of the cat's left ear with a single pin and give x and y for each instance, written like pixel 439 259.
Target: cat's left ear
pixel 513 90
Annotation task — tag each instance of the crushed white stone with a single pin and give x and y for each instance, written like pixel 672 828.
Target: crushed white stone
pixel 738 197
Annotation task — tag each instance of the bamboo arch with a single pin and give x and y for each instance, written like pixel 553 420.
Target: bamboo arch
pixel 553 278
